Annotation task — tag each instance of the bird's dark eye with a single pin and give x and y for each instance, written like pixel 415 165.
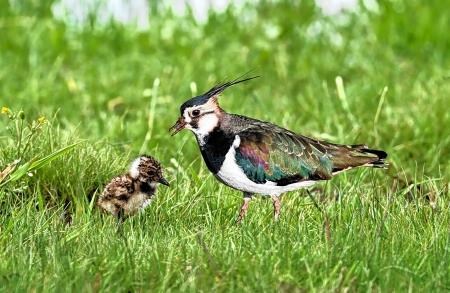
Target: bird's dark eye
pixel 195 113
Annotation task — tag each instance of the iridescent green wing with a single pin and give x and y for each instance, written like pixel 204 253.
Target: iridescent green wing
pixel 268 153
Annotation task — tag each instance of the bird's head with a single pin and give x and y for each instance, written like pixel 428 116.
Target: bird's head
pixel 201 114
pixel 147 169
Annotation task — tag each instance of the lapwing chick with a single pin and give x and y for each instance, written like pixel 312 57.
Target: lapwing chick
pixel 254 156
pixel 127 194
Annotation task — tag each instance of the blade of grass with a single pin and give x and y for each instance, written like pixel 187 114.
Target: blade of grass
pixel 34 164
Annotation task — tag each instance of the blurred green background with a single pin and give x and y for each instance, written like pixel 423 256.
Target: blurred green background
pixel 111 75
pixel 99 75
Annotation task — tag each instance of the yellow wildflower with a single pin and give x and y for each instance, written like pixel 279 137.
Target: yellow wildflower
pixel 6 110
pixel 42 120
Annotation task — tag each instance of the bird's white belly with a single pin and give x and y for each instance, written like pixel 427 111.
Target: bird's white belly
pixel 232 175
pixel 137 202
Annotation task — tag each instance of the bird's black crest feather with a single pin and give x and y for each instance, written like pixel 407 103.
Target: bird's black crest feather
pixel 217 89
pixel 214 91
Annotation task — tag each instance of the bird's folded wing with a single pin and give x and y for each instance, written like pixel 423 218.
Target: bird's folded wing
pixel 120 187
pixel 275 154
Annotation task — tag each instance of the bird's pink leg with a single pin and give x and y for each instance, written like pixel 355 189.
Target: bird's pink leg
pixel 276 206
pixel 244 207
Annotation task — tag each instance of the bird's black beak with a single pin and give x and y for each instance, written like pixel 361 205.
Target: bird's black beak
pixel 163 180
pixel 178 126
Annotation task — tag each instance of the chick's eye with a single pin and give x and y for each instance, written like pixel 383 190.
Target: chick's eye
pixel 195 113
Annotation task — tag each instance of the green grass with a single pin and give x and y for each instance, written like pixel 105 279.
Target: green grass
pixel 115 92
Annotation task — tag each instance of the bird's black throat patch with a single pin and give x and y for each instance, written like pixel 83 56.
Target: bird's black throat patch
pixel 146 188
pixel 216 146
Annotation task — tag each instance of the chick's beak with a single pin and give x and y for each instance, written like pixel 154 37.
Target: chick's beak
pixel 163 180
pixel 178 126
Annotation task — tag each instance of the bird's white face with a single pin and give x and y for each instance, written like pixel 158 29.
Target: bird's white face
pixel 200 119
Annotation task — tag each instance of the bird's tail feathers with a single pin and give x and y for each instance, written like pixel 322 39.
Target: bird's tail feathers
pixel 381 160
pixel 351 156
